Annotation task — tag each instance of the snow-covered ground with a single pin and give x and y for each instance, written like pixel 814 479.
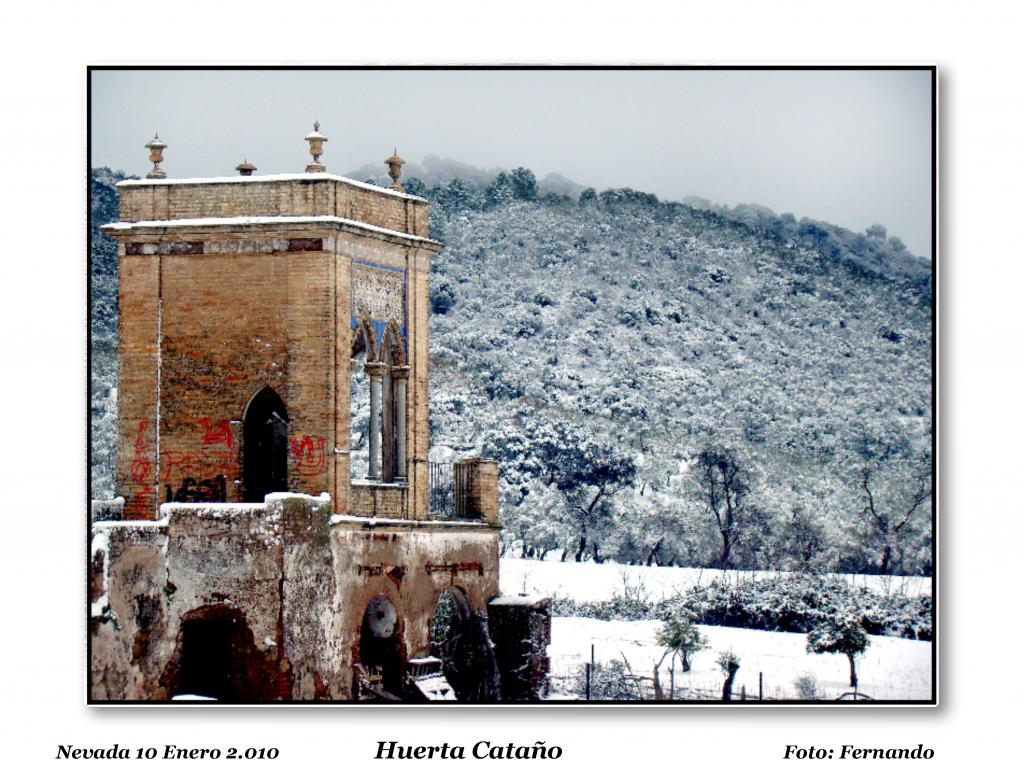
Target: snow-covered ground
pixel 586 581
pixel 891 668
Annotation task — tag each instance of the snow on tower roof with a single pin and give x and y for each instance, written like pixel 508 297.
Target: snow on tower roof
pixel 300 176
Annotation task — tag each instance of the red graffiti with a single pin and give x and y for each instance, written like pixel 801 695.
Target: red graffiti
pixel 141 472
pixel 219 435
pixel 178 464
pixel 142 464
pixel 309 455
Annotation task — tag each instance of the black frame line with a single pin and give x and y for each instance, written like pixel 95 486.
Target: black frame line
pixel 933 701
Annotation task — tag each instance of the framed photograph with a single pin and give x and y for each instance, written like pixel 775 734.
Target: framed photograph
pixel 512 385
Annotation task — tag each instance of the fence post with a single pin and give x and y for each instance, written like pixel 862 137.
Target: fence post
pixel 760 686
pixel 589 665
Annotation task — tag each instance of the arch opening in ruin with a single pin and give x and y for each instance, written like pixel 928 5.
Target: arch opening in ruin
pixel 380 649
pixel 457 639
pixel 216 657
pixel 264 446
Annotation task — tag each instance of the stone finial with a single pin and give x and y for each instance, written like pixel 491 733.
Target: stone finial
pixel 395 163
pixel 156 157
pixel 316 148
pixel 245 168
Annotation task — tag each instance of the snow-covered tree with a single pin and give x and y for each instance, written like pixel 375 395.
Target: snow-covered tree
pixel 723 486
pixel 840 634
pixel 524 184
pixel 501 191
pixel 681 636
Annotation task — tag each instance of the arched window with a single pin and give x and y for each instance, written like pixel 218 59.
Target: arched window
pixel 377 400
pixel 359 406
pixel 395 385
pixel 264 446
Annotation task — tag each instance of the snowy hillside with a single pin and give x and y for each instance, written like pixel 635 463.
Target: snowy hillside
pixel 601 345
pixel 622 356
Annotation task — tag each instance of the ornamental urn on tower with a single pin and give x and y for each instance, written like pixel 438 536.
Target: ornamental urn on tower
pixel 395 163
pixel 316 148
pixel 156 157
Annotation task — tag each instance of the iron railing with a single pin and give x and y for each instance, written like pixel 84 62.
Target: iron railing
pixel 450 486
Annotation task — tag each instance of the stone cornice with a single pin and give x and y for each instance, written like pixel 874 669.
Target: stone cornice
pixel 216 225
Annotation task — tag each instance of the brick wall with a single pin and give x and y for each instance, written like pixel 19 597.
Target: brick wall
pixel 481 494
pixel 378 500
pixel 299 196
pixel 137 452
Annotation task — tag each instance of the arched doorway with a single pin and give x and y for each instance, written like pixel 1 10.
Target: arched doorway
pixel 264 446
pixel 380 651
pixel 460 641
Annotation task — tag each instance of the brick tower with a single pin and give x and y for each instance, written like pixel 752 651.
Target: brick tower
pixel 243 301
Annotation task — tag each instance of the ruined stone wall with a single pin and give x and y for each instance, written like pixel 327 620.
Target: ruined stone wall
pixel 284 195
pixel 129 610
pixel 521 631
pixel 293 579
pixel 269 566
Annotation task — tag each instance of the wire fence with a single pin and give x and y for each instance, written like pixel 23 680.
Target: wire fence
pixel 619 681
pixel 635 687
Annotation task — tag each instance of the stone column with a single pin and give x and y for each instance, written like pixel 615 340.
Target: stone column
pixel 400 379
pixel 376 372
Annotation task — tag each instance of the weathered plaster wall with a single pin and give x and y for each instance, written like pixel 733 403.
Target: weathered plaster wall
pixel 411 564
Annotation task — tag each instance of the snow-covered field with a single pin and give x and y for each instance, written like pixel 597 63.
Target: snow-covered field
pixel 891 668
pixel 586 581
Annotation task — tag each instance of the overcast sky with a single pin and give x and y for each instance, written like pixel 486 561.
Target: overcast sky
pixel 852 148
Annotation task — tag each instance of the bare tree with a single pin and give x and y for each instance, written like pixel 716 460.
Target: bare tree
pixel 895 487
pixel 724 487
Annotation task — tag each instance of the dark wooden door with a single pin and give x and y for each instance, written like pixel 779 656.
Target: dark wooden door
pixel 265 447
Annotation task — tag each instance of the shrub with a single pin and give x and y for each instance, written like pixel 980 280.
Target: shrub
pixel 784 603
pixel 807 688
